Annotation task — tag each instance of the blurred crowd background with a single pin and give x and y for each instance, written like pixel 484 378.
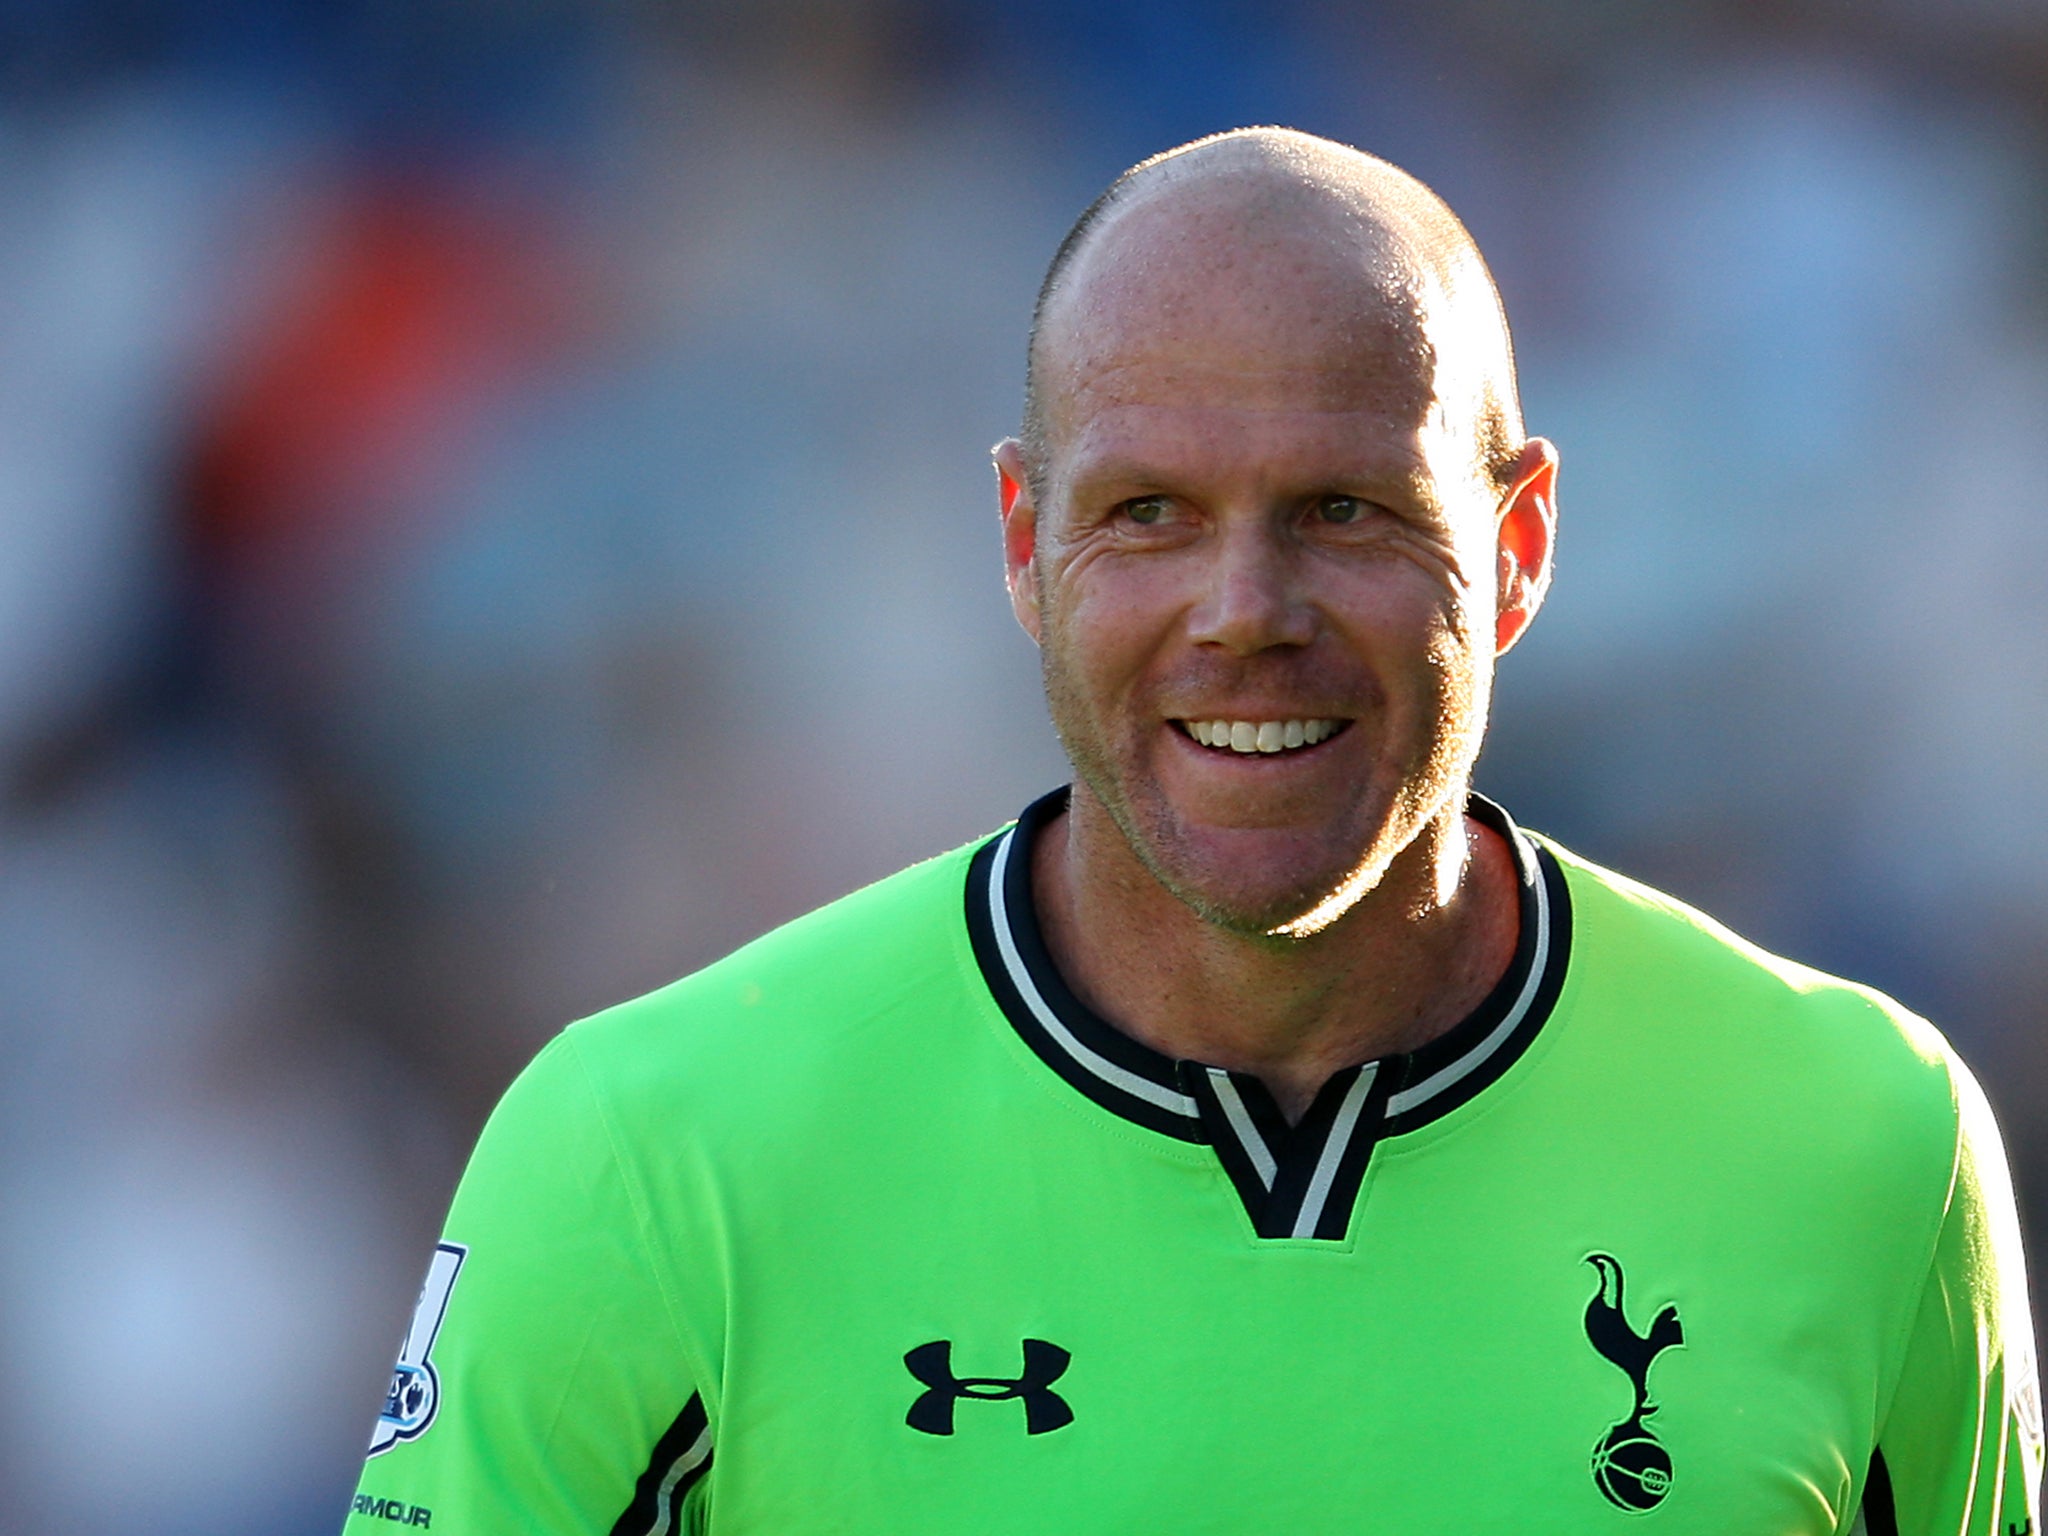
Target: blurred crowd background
pixel 494 512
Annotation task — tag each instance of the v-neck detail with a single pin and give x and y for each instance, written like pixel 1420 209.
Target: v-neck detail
pixel 1298 1181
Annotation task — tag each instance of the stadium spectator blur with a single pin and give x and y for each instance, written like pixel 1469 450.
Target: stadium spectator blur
pixel 493 514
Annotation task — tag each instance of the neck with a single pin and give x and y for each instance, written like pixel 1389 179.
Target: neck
pixel 1408 961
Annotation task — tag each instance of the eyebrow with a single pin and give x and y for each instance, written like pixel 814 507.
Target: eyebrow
pixel 1409 482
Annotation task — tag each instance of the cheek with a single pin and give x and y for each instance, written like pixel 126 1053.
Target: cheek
pixel 1086 668
pixel 1401 616
pixel 1113 612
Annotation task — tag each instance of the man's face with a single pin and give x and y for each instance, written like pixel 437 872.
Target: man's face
pixel 1260 531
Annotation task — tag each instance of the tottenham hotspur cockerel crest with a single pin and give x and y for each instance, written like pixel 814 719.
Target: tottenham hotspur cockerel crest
pixel 1630 1466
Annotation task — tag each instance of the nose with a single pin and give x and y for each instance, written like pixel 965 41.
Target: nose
pixel 1252 598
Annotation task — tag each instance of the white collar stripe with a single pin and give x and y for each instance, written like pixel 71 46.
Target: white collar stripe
pixel 1298 1183
pixel 1132 1083
pixel 1457 1071
pixel 1335 1145
pixel 1241 1122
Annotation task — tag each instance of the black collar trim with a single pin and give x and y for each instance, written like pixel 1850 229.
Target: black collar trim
pixel 1297 1181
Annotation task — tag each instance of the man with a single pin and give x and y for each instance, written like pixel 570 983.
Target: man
pixel 1265 1134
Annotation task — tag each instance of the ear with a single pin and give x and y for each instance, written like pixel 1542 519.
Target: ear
pixel 1525 526
pixel 1020 533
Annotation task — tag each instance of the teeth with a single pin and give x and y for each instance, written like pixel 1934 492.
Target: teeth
pixel 1249 736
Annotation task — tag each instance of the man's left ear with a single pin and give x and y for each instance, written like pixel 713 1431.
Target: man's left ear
pixel 1525 531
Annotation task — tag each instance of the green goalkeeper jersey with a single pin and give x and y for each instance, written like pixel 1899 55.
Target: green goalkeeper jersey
pixel 873 1229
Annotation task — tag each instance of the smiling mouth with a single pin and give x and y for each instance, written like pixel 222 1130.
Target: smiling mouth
pixel 1252 737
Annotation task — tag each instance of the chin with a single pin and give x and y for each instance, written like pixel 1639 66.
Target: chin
pixel 1263 892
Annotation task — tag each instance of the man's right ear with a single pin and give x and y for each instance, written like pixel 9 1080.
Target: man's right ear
pixel 1020 533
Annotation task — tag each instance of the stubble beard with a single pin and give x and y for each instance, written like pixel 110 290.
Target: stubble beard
pixel 1157 839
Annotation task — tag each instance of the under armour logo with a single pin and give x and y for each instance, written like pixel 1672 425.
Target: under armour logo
pixel 1044 1409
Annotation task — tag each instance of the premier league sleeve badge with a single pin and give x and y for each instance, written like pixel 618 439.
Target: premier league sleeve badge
pixel 415 1390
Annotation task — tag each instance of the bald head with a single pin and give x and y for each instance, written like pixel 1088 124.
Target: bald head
pixel 1281 239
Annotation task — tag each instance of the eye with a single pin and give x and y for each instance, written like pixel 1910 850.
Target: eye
pixel 1145 511
pixel 1339 511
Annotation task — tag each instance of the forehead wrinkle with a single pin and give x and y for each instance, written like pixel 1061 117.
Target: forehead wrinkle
pixel 1389 404
pixel 1108 453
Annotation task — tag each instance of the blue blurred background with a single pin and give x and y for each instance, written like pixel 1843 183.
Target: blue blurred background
pixel 494 512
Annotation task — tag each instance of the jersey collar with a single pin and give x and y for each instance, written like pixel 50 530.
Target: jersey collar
pixel 1297 1181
